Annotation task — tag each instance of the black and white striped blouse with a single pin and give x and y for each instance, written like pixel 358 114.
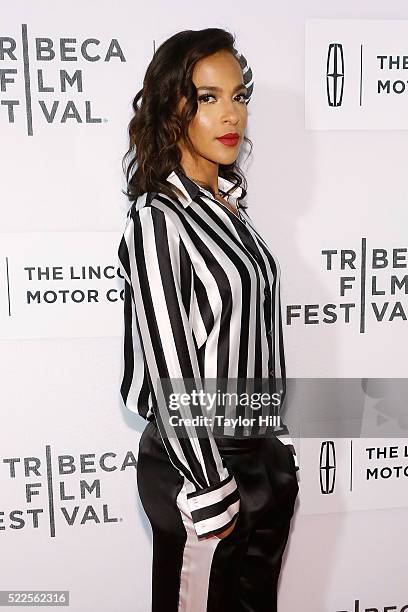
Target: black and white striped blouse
pixel 201 302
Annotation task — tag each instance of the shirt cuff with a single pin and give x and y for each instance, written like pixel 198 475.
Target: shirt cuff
pixel 287 440
pixel 213 509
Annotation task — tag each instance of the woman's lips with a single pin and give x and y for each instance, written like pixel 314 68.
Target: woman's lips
pixel 230 141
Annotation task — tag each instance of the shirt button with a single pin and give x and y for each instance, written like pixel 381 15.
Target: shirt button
pixel 267 291
pixel 269 332
pixel 271 372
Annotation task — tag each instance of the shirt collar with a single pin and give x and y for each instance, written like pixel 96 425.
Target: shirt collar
pixel 190 189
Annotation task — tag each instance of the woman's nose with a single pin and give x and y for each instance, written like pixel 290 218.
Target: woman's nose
pixel 229 112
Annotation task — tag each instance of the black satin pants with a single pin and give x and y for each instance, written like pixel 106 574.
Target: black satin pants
pixel 238 573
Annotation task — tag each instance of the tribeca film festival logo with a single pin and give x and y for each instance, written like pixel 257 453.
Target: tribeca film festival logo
pixel 358 606
pixel 378 276
pixel 59 488
pixel 335 74
pixel 47 67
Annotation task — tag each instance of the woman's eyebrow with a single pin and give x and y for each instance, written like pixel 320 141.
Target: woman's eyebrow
pixel 213 88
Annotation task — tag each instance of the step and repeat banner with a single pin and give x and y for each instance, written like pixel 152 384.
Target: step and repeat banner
pixel 328 120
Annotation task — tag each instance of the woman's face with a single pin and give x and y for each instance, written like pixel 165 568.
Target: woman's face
pixel 221 97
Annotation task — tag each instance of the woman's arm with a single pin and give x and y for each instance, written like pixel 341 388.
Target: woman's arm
pixel 150 256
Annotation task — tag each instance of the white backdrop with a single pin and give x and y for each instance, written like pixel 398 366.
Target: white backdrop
pixel 327 186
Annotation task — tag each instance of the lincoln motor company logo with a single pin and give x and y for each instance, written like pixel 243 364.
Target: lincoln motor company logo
pixel 52 491
pixel 43 79
pixel 391 69
pixel 327 467
pixel 335 74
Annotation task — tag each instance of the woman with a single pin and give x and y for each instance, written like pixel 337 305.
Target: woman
pixel 202 303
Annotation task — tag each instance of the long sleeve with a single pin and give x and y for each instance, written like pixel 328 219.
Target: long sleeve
pixel 284 437
pixel 153 257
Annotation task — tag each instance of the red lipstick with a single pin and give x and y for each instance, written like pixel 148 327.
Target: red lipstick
pixel 230 139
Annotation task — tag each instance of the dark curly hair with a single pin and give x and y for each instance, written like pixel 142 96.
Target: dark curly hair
pixel 155 127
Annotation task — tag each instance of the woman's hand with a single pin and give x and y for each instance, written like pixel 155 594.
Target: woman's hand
pixel 227 531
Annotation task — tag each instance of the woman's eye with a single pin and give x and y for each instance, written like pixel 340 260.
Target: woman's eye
pixel 205 98
pixel 244 96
